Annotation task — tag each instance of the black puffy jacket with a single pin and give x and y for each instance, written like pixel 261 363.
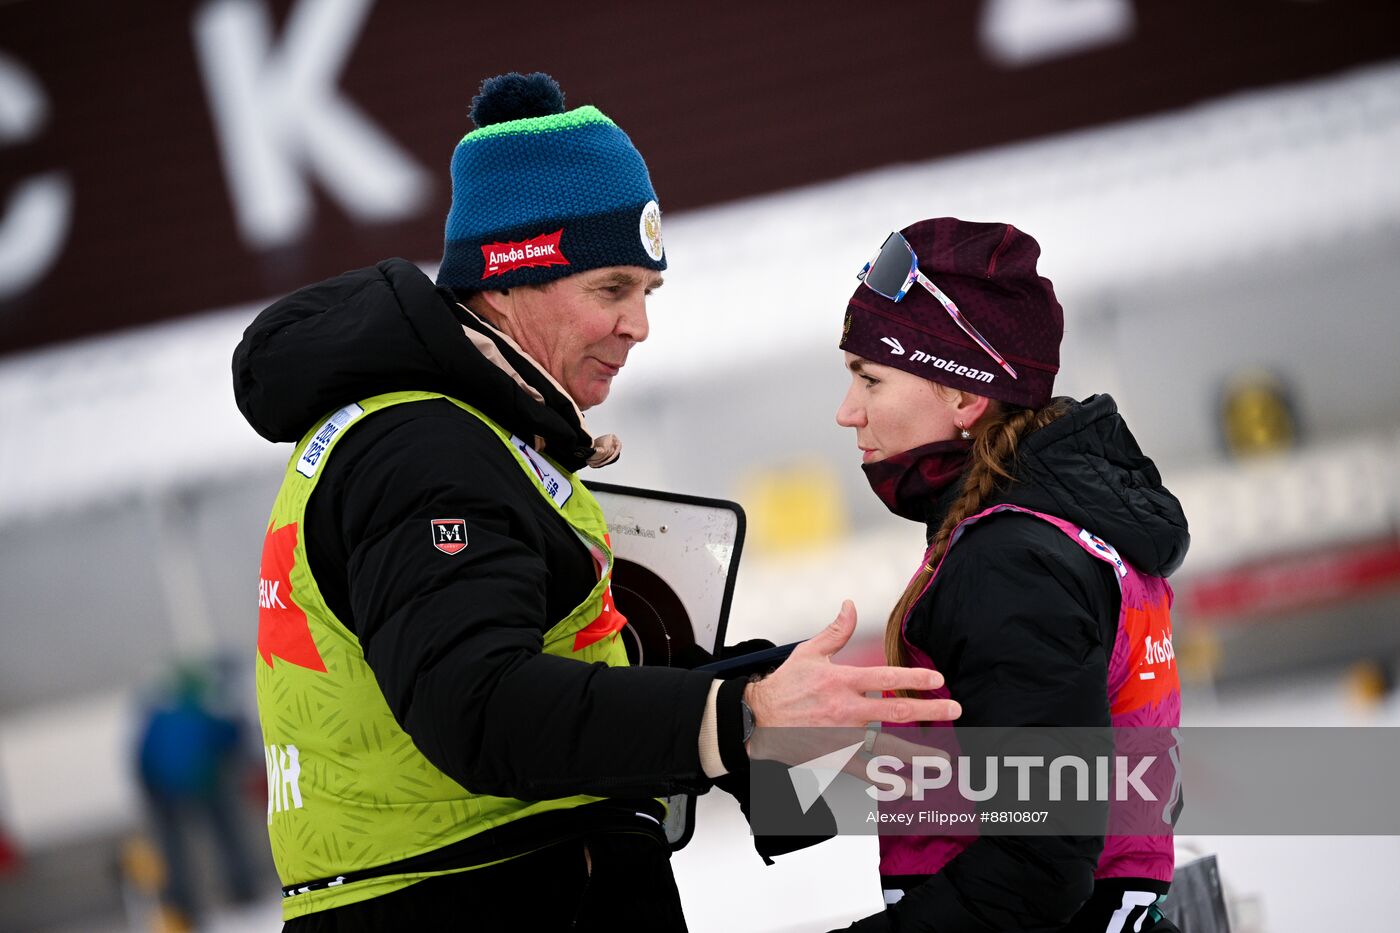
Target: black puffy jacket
pixel 1021 621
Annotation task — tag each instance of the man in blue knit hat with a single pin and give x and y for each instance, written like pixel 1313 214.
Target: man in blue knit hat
pixel 539 195
pixel 452 731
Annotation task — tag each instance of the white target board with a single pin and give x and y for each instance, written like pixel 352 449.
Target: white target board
pixel 676 561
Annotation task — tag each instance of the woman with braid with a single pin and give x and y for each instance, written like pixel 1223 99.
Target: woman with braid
pixel 1041 598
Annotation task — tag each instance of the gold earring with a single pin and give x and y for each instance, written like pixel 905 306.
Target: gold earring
pixel 963 432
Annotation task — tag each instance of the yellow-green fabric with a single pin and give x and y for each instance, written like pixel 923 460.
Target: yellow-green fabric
pixel 348 790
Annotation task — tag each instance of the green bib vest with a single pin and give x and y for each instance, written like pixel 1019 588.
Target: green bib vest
pixel 347 788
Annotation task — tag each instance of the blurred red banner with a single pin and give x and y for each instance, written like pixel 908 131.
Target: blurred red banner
pixel 1296 582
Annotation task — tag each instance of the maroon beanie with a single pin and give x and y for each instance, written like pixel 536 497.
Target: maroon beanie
pixel 988 270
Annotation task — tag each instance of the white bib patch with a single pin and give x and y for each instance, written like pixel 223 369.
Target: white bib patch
pixel 555 484
pixel 1104 548
pixel 316 450
pixel 650 228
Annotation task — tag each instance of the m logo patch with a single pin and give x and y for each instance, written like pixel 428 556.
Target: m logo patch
pixel 449 534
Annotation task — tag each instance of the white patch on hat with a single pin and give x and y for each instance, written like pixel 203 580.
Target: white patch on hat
pixel 650 228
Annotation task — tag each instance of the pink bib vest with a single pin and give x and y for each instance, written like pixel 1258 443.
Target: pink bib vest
pixel 1143 689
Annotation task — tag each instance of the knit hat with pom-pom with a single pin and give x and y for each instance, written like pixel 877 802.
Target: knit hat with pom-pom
pixel 540 192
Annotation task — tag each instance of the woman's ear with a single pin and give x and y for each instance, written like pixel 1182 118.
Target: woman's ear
pixel 970 408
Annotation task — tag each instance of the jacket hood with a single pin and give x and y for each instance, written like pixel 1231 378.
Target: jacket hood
pixel 1086 467
pixel 388 328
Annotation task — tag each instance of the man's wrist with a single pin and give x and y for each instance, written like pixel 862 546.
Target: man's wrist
pixel 710 761
pixel 752 697
pixel 729 713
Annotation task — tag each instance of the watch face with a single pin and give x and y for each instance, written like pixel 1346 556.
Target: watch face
pixel 748 720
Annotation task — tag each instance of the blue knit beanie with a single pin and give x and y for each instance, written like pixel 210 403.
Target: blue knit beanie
pixel 539 192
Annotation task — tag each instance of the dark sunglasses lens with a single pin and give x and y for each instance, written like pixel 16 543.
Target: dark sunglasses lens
pixel 891 269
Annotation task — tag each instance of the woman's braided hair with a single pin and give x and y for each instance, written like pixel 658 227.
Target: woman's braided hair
pixel 992 459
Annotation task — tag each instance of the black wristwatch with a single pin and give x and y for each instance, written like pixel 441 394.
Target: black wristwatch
pixel 734 731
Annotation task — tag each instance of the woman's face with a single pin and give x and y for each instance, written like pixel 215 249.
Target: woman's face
pixel 893 411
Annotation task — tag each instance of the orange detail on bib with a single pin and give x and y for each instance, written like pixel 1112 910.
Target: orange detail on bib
pixel 609 622
pixel 1152 672
pixel 282 627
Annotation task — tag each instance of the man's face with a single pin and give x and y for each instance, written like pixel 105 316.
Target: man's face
pixel 580 328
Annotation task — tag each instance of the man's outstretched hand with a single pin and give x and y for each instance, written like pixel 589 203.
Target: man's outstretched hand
pixel 809 690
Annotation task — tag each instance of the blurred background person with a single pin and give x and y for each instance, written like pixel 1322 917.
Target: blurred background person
pixel 190 765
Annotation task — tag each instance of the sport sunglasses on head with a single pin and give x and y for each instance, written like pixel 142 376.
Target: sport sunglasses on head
pixel 895 269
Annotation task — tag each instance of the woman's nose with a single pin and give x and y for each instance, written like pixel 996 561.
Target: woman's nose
pixel 849 415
